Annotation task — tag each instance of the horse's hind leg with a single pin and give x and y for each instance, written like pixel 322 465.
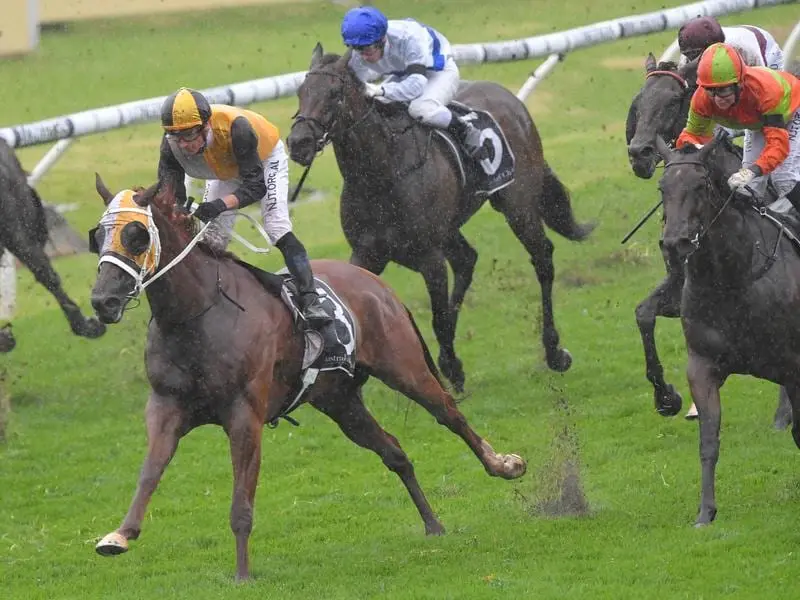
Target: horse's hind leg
pixel 462 258
pixel 347 409
pixel 34 257
pixel 528 229
pixel 164 421
pixel 403 362
pixel 784 412
pixel 664 301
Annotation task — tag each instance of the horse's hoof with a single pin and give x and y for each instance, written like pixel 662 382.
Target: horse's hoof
pixel 562 361
pixel 7 340
pixel 111 545
pixel 691 414
pixel 434 528
pixel 513 466
pixel 668 401
pixel 92 328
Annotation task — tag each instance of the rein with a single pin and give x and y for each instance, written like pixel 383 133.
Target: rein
pixel 769 260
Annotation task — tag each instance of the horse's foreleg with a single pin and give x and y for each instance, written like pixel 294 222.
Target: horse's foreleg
pixel 664 301
pixel 348 411
pixel 705 382
pixel 462 258
pixel 34 257
pixel 530 232
pixel 164 423
pixel 244 432
pixel 434 271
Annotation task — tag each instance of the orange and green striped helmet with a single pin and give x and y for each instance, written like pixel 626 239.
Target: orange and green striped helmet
pixel 185 109
pixel 720 66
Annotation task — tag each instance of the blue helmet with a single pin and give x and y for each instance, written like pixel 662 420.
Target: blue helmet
pixel 363 26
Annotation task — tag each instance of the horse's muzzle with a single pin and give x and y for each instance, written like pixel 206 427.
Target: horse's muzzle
pixel 643 159
pixel 107 307
pixel 302 148
pixel 678 249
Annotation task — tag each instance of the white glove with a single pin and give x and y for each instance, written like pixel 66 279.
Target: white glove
pixel 373 89
pixel 741 178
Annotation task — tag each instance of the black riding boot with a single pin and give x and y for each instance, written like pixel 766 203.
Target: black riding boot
pixel 296 257
pixel 469 136
pixel 794 197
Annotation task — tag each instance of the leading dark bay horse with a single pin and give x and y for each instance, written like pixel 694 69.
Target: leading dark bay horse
pixel 739 305
pixel 660 109
pixel 222 350
pixel 23 232
pixel 403 199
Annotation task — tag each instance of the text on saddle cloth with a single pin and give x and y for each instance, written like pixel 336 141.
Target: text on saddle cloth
pixel 496 171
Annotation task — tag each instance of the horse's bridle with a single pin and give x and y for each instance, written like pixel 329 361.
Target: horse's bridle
pixel 687 91
pixel 698 236
pixel 328 132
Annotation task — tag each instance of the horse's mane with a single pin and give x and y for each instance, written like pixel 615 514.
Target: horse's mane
pixel 667 65
pixel 162 198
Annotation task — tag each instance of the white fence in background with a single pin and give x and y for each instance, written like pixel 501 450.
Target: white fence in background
pixel 65 129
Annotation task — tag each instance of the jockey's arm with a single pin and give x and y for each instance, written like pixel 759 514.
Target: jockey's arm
pixel 171 172
pixel 251 169
pixel 776 144
pixel 699 126
pixel 410 87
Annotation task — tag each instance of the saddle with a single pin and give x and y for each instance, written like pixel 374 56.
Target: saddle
pixel 487 176
pixel 330 349
pixel 784 216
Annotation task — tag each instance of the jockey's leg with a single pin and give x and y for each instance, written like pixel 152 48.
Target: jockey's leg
pixel 278 225
pixel 431 108
pixel 220 231
pixel 786 178
pixel 753 145
pixel 296 257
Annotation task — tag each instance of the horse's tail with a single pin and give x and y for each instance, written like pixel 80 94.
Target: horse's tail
pixel 557 211
pixel 428 358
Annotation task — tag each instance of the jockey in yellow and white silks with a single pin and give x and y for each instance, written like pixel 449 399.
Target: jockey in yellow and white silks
pixel 417 64
pixel 243 160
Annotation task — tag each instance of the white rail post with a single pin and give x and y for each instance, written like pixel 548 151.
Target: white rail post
pixel 672 52
pixel 788 47
pixel 536 77
pixel 8 286
pixel 48 160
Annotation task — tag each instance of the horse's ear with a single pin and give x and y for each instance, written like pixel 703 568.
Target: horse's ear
pixel 650 63
pixel 706 150
pixel 663 148
pixel 345 60
pixel 101 188
pixel 146 197
pixel 316 56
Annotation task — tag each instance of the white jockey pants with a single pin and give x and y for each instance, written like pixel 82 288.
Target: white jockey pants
pixel 431 106
pixel 274 205
pixel 787 174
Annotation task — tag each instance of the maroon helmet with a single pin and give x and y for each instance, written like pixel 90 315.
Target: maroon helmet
pixel 698 34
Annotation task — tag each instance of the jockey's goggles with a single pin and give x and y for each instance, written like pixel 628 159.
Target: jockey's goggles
pixel 187 135
pixel 693 54
pixel 728 90
pixel 359 48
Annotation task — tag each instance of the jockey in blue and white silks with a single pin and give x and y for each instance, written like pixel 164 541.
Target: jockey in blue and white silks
pixel 418 66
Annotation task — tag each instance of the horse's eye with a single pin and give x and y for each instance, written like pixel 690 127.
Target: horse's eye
pixel 135 238
pixel 96 238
